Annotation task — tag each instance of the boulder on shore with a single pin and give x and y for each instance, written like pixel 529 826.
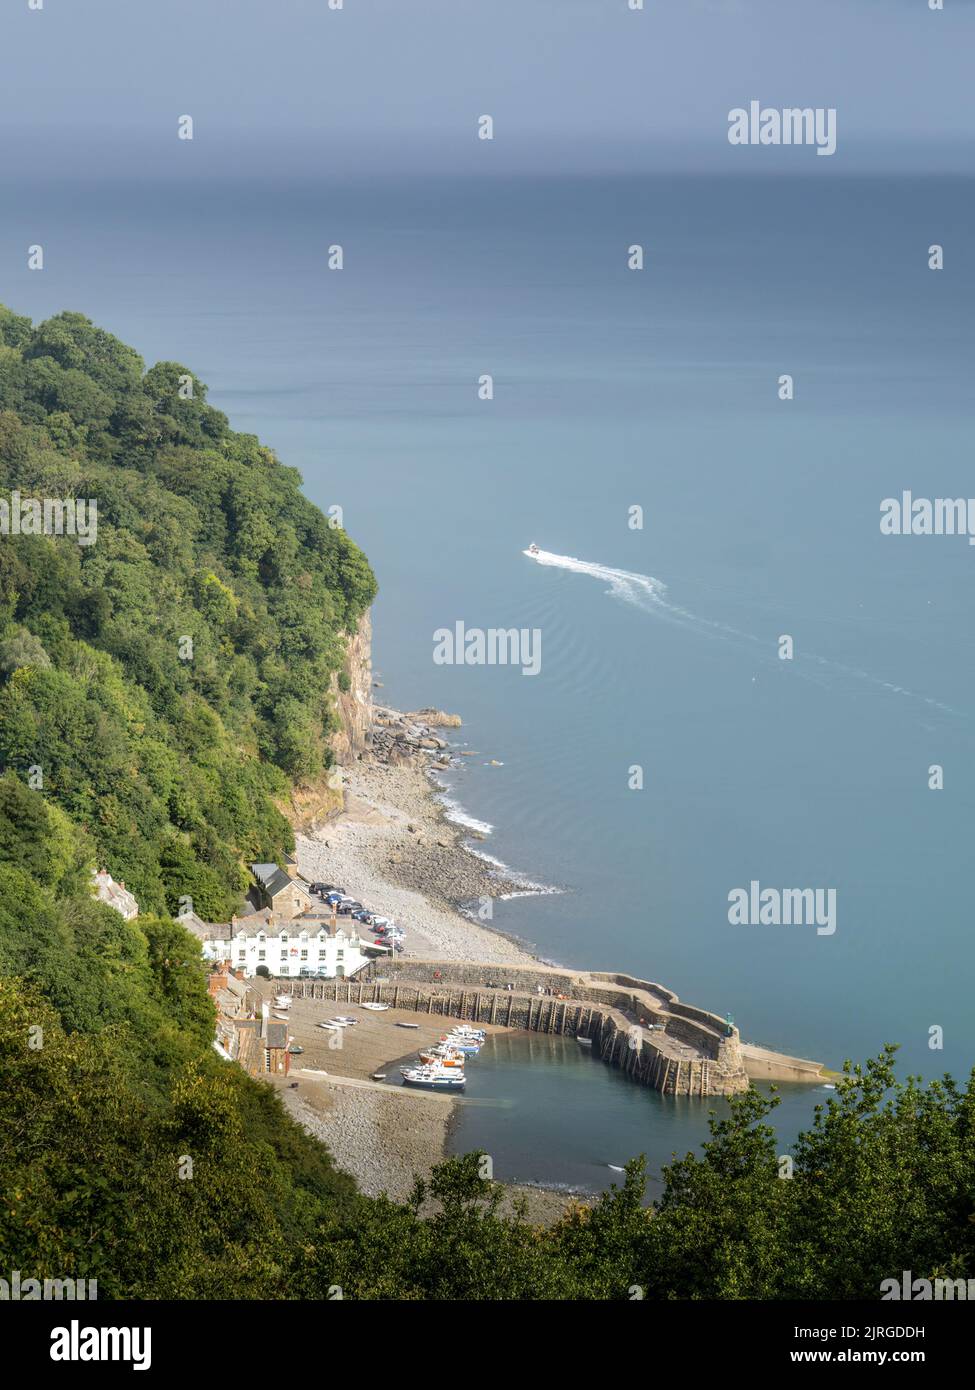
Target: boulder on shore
pixel 435 718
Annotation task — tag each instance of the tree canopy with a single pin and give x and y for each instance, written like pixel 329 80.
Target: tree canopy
pixel 158 690
pixel 170 680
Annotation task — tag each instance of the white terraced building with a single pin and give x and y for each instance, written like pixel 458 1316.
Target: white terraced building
pixel 306 946
pixel 287 934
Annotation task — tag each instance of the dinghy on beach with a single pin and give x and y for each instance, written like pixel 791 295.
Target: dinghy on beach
pixel 376 1008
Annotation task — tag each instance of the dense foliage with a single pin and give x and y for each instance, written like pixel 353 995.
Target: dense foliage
pixel 129 1152
pixel 170 680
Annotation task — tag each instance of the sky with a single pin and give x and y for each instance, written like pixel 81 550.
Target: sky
pixel 94 88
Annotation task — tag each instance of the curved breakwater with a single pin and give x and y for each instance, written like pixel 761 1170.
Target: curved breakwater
pixel 641 1028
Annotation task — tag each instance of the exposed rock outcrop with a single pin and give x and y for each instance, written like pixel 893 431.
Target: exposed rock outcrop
pixel 354 703
pixel 435 719
pixel 403 738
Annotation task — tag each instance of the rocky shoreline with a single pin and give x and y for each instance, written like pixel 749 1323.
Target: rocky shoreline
pixel 394 848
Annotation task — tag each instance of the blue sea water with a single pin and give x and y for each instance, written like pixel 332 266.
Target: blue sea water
pixel 615 388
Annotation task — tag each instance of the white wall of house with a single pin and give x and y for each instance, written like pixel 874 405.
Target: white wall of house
pixel 289 952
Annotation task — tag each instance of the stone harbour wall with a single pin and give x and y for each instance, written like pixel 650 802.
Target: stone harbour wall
pixel 679 1056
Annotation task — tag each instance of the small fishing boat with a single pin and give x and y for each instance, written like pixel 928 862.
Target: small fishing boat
pixel 282 1001
pixel 433 1079
pixel 468 1046
pixel 376 1008
pixel 346 1019
pixel 330 1027
pixel 445 1056
pixel 282 1018
pixel 379 1076
pixel 407 1025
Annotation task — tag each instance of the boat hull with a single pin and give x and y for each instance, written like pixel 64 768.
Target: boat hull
pixel 436 1083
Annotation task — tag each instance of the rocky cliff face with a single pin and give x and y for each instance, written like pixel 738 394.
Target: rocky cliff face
pixel 383 733
pixel 354 705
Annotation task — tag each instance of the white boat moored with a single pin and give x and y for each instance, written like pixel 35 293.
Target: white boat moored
pixel 433 1078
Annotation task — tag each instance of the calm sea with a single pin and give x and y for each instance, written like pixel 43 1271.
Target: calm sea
pixel 616 389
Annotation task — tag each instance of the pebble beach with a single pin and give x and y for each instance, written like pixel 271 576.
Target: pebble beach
pixel 394 849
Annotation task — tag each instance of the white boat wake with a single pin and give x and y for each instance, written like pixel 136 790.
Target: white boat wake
pixel 650 594
pixel 632 588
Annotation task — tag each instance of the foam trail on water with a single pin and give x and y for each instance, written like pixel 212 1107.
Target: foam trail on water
pixel 650 594
pixel 624 584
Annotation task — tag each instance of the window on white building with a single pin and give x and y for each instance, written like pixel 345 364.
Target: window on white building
pixel 261 955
